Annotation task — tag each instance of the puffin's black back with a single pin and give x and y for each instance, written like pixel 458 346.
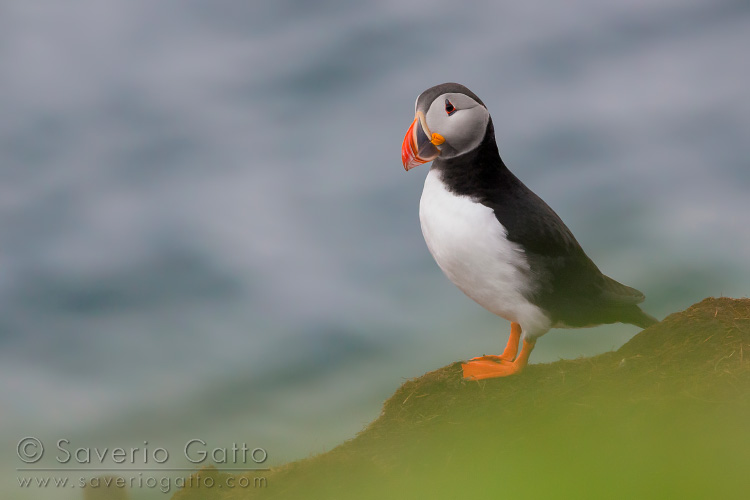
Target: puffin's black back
pixel 569 286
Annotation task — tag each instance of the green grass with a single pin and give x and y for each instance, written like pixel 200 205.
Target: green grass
pixel 665 416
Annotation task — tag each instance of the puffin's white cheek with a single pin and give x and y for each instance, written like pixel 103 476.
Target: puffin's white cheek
pixel 461 133
pixel 466 131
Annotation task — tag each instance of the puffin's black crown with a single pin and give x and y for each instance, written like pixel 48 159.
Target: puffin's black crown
pixel 429 95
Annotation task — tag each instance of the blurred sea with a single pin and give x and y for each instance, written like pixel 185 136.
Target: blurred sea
pixel 206 231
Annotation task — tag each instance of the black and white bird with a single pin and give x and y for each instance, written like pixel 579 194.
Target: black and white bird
pixel 498 241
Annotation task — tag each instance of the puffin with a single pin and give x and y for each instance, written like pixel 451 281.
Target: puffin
pixel 496 240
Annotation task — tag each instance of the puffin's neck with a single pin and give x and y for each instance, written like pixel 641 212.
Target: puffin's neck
pixel 475 172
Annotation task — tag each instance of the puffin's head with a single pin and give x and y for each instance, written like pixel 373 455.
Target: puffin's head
pixel 449 120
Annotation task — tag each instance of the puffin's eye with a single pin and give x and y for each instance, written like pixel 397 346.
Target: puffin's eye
pixel 449 107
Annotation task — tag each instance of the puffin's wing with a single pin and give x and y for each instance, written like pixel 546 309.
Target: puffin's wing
pixel 567 282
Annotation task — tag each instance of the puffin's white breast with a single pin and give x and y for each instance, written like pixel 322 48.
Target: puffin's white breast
pixel 470 246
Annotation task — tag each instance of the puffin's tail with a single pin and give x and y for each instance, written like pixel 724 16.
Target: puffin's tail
pixel 639 318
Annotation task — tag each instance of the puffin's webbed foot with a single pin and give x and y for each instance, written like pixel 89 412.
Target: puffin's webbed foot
pixel 490 366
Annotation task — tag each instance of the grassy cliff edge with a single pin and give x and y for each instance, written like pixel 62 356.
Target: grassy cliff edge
pixel 665 416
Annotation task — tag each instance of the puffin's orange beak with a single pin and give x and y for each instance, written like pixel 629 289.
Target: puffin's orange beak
pixel 419 146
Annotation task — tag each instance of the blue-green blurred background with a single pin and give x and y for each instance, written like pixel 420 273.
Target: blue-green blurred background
pixel 206 231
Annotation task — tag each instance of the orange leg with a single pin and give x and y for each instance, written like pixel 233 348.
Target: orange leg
pixel 511 348
pixel 500 366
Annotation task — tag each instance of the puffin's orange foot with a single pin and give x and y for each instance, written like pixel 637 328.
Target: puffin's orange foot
pixel 492 357
pixel 497 366
pixel 511 349
pixel 489 367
